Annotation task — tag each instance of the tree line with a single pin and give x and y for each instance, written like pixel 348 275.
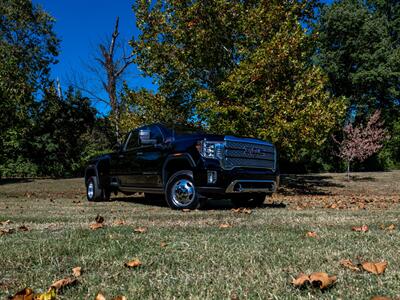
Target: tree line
pixel 295 72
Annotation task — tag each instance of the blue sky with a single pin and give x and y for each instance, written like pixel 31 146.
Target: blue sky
pixel 81 25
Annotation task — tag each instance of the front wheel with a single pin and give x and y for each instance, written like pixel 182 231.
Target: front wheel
pixel 181 193
pixel 94 192
pixel 252 200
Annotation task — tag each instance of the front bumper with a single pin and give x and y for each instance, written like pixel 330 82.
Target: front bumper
pixel 235 181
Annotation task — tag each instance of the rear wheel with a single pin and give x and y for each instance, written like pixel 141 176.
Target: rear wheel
pixel 252 200
pixel 94 192
pixel 181 192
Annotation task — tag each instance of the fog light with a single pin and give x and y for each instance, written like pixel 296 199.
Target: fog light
pixel 211 176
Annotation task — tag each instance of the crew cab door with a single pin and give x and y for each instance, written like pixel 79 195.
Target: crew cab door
pixel 128 169
pixel 151 157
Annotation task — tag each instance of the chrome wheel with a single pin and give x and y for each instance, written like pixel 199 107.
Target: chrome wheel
pixel 183 192
pixel 90 190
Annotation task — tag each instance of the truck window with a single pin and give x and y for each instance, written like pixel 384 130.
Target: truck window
pixel 133 141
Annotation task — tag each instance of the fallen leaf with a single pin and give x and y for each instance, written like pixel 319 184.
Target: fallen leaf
pixel 100 296
pixel 347 263
pixel 77 271
pixel 375 267
pixel 390 227
pixel 186 210
pixel 225 225
pixel 99 219
pixel 236 210
pixel 381 298
pixel 23 228
pixel 317 279
pixel 234 296
pixel 133 263
pixel 163 245
pixel 322 280
pixel 6 231
pixel 6 222
pixel 140 230
pixel 311 234
pixel 119 222
pixel 59 284
pixel 247 211
pixel 49 295
pixel 25 294
pixel 96 226
pixel 301 280
pixel 363 228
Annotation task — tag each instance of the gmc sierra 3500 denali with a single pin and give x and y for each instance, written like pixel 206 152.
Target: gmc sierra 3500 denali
pixel 186 166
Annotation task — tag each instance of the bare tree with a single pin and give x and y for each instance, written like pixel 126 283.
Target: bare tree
pixel 111 64
pixel 361 142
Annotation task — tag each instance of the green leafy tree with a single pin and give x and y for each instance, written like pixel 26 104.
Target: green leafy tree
pixel 28 46
pixel 359 49
pixel 58 140
pixel 240 67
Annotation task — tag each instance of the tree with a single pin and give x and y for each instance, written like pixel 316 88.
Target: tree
pixel 361 142
pixel 28 46
pixel 359 49
pixel 111 64
pixel 238 67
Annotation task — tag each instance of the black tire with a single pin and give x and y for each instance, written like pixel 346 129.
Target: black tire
pixel 94 192
pixel 181 192
pixel 252 200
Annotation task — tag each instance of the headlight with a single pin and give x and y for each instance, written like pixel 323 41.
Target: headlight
pixel 209 149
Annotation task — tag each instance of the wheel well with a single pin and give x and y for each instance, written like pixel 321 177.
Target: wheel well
pixel 89 173
pixel 175 165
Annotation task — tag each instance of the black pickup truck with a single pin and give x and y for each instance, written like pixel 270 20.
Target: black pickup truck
pixel 186 166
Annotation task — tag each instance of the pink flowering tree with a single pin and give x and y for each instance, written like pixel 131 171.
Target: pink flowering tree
pixel 360 142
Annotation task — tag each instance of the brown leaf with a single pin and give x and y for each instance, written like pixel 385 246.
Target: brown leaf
pixel 163 245
pixel 375 267
pixel 236 210
pixel 311 234
pixel 59 284
pixel 390 227
pixel 381 298
pixel 6 231
pixel 23 228
pixel 119 222
pixel 77 271
pixel 99 219
pixel 224 225
pixel 301 280
pixel 100 296
pixel 140 230
pixel 363 228
pixel 347 263
pixel 247 211
pixel 322 280
pixel 133 263
pixel 6 222
pixel 186 210
pixel 96 226
pixel 25 294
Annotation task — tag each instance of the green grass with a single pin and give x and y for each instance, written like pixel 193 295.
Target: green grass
pixel 255 259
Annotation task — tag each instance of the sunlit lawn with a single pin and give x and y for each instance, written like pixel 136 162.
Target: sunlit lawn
pixel 255 258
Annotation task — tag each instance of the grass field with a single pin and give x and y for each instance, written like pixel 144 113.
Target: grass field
pixel 255 258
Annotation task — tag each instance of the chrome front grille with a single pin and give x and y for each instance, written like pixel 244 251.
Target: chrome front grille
pixel 248 153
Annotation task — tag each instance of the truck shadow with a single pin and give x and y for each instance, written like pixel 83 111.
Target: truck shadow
pixel 211 204
pixel 307 184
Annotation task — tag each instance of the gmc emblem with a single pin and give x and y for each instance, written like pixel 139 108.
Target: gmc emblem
pixel 253 151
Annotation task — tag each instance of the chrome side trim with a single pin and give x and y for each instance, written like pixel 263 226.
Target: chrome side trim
pixel 231 186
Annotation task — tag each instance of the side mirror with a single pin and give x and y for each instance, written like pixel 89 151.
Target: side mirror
pixel 144 137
